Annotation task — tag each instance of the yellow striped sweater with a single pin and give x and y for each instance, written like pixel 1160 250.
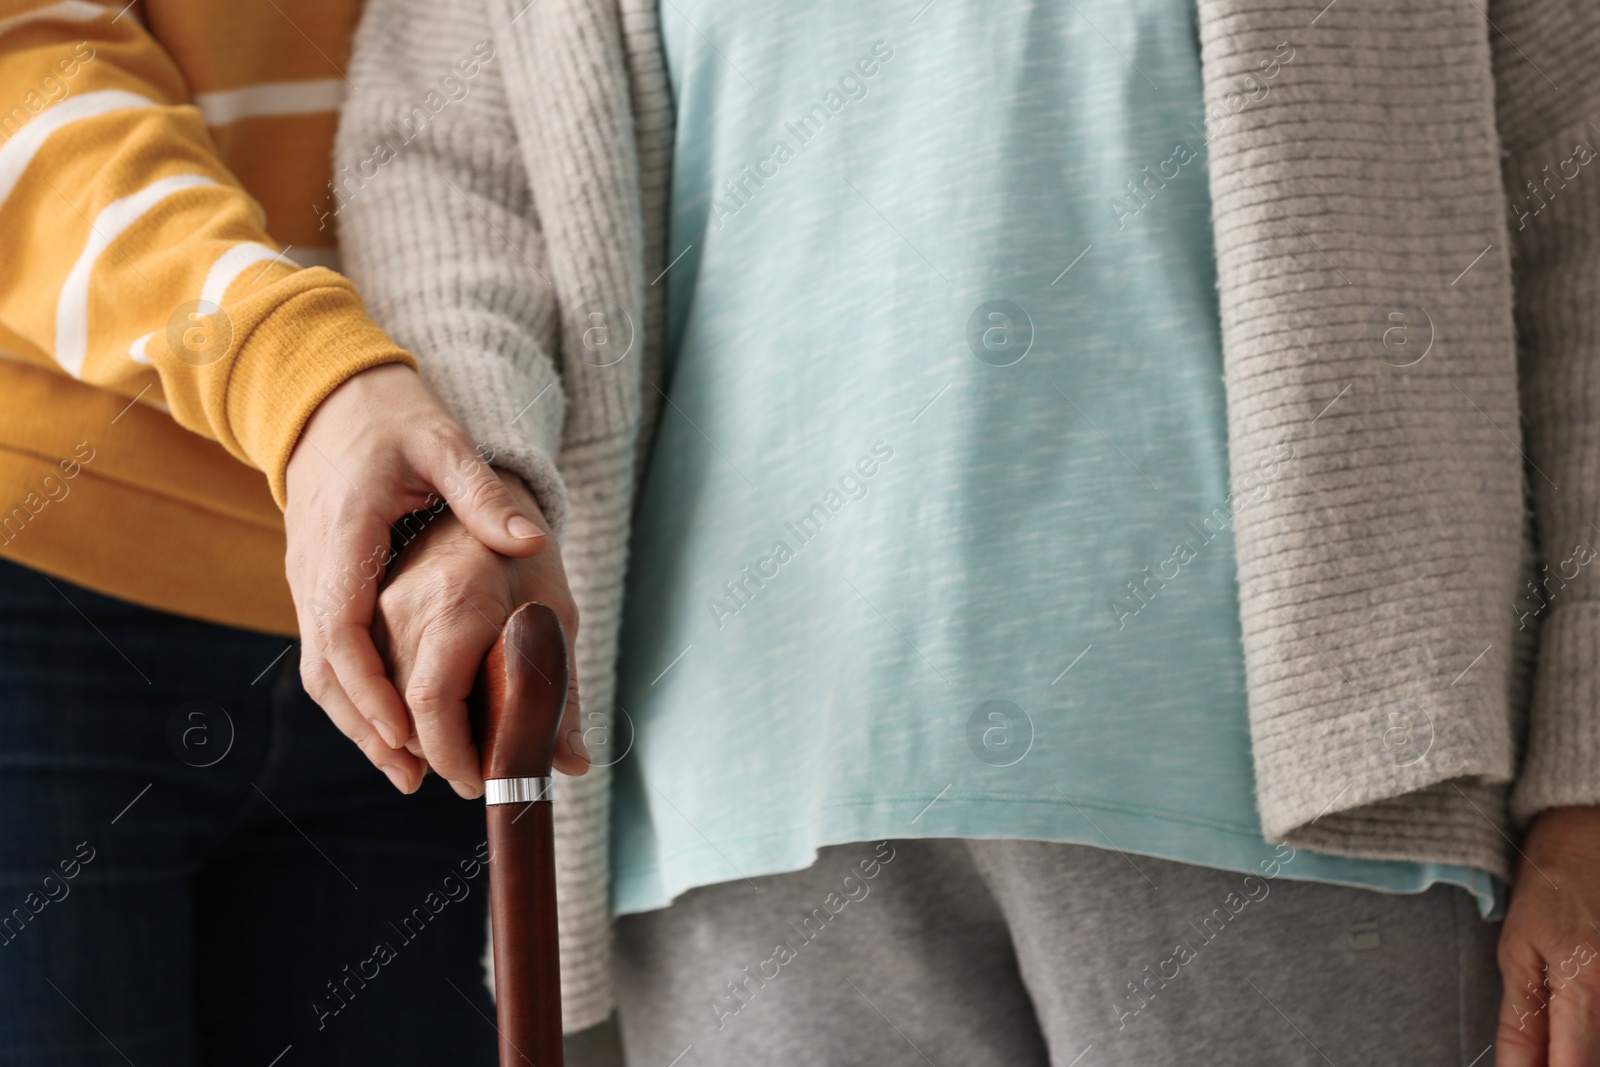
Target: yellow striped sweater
pixel 168 318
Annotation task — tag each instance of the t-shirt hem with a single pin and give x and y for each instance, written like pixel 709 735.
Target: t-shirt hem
pixel 1134 831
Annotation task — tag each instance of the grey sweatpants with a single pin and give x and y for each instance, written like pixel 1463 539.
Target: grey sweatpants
pixel 1027 954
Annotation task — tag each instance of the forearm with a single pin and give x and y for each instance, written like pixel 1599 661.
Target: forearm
pixel 136 261
pixel 1554 227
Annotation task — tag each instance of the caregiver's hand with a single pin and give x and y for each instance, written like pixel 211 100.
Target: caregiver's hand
pixel 379 447
pixel 1550 946
pixel 441 610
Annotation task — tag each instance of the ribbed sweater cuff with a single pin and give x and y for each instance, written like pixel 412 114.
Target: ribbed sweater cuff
pixel 292 357
pixel 1561 764
pixel 1456 822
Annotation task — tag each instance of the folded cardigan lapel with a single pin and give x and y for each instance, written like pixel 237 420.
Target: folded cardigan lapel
pixel 1355 191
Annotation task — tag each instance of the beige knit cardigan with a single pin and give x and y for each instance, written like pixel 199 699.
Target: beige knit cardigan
pixel 1389 283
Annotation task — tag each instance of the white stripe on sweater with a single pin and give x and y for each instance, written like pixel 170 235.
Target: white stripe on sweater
pixel 229 266
pixel 18 152
pixel 276 98
pixel 138 351
pixel 72 309
pixel 224 272
pixel 66 11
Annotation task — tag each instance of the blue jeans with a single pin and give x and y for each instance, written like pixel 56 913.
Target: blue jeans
pixel 197 868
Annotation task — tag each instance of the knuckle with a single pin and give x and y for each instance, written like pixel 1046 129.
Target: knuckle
pixel 327 625
pixel 396 600
pixel 314 677
pixel 445 443
pixel 440 431
pixel 450 608
pixel 425 693
pixel 485 491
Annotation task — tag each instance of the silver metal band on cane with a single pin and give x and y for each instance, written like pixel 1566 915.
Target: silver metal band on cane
pixel 515 790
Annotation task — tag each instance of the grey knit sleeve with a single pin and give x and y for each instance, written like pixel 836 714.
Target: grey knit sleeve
pixel 1547 87
pixel 438 230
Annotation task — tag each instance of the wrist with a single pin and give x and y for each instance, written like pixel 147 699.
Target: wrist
pixel 1569 831
pixel 277 408
pixel 348 406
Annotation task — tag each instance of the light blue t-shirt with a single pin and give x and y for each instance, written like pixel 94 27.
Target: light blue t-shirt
pixel 936 536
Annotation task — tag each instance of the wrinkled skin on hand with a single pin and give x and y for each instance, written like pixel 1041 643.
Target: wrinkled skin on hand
pixel 440 612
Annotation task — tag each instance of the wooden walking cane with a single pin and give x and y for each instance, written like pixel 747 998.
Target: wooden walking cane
pixel 516 708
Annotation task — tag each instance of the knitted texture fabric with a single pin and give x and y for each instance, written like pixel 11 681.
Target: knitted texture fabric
pixel 1383 297
pixel 1383 582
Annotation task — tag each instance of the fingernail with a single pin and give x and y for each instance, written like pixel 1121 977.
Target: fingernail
pixel 386 732
pixel 523 528
pixel 575 742
pixel 401 780
pixel 465 791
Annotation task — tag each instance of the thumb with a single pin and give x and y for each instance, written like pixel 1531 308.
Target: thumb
pixel 482 502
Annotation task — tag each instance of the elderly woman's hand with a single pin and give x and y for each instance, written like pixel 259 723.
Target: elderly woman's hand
pixel 1550 946
pixel 440 611
pixel 380 447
